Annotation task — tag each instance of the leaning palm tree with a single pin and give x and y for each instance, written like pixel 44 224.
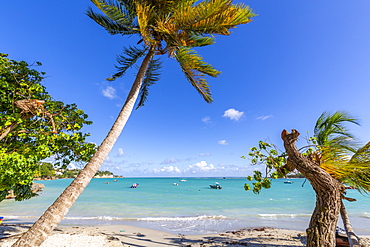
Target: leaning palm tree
pixel 342 159
pixel 336 164
pixel 174 28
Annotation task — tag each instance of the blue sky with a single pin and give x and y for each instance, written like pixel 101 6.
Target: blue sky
pixel 296 59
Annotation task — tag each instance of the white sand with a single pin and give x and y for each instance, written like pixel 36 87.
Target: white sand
pixel 123 235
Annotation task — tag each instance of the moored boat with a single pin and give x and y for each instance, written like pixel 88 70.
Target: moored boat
pixel 134 185
pixel 215 186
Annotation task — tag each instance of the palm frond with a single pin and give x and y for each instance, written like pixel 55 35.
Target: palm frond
pixel 195 70
pixel 213 17
pixel 362 155
pixel 127 59
pixel 353 171
pixel 330 130
pixel 123 14
pixel 111 26
pixel 199 41
pixel 117 18
pixel 151 76
pixel 129 8
pixel 145 13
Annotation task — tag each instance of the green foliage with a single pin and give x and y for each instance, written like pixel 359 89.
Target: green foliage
pixel 46 128
pixel 46 170
pixel 332 147
pixel 331 131
pixel 103 173
pixel 266 154
pixel 340 153
pixel 69 173
pixel 151 76
pixel 173 28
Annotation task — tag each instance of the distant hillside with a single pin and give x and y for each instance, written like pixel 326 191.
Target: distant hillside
pixel 47 171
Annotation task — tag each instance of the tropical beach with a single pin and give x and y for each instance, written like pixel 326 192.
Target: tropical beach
pixel 124 235
pixel 238 172
pixel 191 213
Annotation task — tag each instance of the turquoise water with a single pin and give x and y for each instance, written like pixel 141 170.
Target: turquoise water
pixel 190 207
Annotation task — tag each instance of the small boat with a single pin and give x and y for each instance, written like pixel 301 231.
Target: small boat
pixel 341 238
pixel 175 184
pixel 288 182
pixel 215 186
pixel 182 180
pixel 134 185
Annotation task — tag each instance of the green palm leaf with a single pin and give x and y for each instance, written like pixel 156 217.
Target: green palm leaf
pixel 330 130
pixel 127 59
pixel 151 76
pixel 195 70
pixel 111 26
pixel 117 18
pixel 213 17
pixel 340 156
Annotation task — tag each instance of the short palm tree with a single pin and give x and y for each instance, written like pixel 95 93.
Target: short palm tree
pixel 342 159
pixel 169 27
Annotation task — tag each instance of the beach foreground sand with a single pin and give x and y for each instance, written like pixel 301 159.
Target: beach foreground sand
pixel 124 235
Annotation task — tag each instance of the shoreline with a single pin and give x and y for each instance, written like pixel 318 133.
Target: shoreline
pixel 125 235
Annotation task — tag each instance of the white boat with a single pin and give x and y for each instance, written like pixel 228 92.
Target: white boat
pixel 134 185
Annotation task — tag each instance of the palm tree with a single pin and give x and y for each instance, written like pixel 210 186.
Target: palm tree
pixel 174 28
pixel 336 163
pixel 342 159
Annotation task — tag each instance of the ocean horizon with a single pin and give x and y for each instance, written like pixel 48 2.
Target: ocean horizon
pixel 186 205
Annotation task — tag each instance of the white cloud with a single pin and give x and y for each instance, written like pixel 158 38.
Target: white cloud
pixel 120 152
pixel 206 120
pixel 168 169
pixel 233 114
pixel 223 142
pixel 264 117
pixel 109 92
pixel 200 167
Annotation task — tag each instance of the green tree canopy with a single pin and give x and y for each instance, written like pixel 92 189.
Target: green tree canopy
pixel 33 127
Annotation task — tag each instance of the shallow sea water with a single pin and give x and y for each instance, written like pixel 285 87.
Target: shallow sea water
pixel 191 207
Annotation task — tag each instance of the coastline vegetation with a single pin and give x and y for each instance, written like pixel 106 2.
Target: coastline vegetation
pixel 33 127
pixel 333 161
pixel 47 171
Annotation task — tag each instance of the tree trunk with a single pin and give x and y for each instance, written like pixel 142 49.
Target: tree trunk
pixel 321 231
pixel 14 125
pixel 352 238
pixel 41 229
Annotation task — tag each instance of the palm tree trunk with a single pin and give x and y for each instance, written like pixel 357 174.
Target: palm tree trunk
pixel 41 229
pixel 321 231
pixel 352 238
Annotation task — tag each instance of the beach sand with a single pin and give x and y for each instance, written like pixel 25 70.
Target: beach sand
pixel 124 235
